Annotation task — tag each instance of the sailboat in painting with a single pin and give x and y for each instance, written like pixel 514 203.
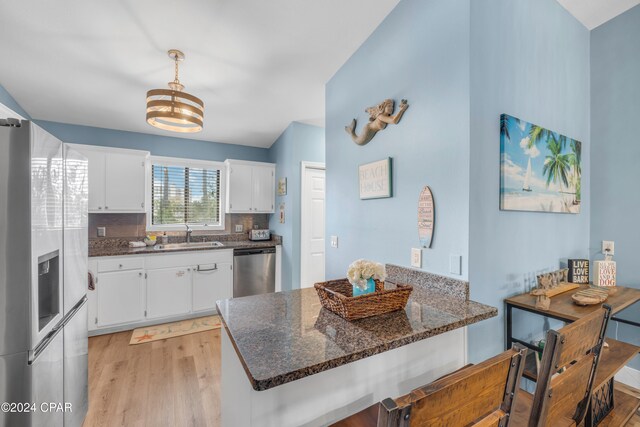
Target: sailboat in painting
pixel 527 178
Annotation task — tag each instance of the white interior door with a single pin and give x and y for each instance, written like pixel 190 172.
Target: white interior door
pixel 312 225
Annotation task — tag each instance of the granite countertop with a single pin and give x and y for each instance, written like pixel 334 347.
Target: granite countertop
pixel 121 248
pixel 285 336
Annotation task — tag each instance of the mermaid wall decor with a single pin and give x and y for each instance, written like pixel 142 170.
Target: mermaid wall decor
pixel 379 117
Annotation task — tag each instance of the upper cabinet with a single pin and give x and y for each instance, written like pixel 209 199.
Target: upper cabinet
pixel 117 179
pixel 250 187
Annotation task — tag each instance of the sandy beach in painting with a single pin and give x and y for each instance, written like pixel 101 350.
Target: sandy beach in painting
pixel 519 201
pixel 539 169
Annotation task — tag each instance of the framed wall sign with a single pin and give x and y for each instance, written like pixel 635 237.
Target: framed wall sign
pixel 375 179
pixel 282 187
pixel 426 217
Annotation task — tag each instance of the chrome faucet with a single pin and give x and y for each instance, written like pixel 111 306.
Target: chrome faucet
pixel 189 231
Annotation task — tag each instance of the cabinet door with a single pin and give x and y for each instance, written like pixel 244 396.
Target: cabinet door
pixel 96 179
pixel 120 297
pixel 239 189
pixel 211 282
pixel 168 292
pixel 125 182
pixel 263 188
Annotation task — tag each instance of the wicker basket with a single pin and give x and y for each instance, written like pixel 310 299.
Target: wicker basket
pixel 336 295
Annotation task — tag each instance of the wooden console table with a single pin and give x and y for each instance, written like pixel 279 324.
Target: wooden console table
pixel 609 407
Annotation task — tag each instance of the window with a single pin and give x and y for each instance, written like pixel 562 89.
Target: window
pixel 186 192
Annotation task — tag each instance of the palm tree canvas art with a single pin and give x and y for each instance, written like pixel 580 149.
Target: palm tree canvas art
pixel 539 169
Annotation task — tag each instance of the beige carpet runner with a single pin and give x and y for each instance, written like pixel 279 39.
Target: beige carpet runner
pixel 174 329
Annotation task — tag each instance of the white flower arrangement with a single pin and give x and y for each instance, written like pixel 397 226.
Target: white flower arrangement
pixel 361 270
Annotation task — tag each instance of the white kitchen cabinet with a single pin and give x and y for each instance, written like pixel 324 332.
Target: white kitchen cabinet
pixel 125 182
pixel 97 187
pixel 250 187
pixel 120 297
pixel 168 292
pixel 264 189
pixel 211 282
pixel 140 290
pixel 117 179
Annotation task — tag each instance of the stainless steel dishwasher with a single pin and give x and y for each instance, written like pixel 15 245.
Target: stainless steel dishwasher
pixel 254 271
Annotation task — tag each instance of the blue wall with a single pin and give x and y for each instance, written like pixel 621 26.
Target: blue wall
pixel 7 100
pixel 530 59
pixel 615 150
pixel 299 142
pixel 156 144
pixel 420 52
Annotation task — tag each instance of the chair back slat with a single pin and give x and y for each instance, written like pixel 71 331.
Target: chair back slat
pixel 569 362
pixel 568 391
pixel 578 338
pixel 479 395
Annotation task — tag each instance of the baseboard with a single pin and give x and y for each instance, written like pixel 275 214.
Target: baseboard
pixel 629 376
pixel 131 326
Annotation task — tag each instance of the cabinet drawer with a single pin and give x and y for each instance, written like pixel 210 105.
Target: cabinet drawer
pixel 191 258
pixel 120 264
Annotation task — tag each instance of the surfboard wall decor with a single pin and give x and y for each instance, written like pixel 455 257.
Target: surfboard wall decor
pixel 426 217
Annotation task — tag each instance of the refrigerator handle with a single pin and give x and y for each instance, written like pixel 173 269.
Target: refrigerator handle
pixel 73 312
pixel 33 354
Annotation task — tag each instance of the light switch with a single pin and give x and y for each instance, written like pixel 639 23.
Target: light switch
pixel 102 231
pixel 455 264
pixel 238 228
pixel 416 257
pixel 334 241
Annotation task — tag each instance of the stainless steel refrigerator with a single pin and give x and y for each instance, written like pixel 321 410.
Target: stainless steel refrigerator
pixel 43 279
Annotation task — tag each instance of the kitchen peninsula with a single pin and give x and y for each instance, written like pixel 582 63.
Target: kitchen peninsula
pixel 286 361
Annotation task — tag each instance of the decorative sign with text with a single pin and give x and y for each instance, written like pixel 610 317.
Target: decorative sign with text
pixel 579 271
pixel 375 179
pixel 426 217
pixel 604 273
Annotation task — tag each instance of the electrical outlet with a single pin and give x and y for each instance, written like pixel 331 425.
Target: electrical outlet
pixel 608 247
pixel 334 241
pixel 455 264
pixel 238 228
pixel 102 231
pixel 416 257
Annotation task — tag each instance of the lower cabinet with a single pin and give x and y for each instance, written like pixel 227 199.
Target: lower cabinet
pixel 120 297
pixel 146 289
pixel 168 292
pixel 211 282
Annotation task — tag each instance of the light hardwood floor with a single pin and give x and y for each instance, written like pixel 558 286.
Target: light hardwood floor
pixel 635 420
pixel 172 382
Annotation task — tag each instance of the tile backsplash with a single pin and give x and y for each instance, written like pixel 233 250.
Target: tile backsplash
pixel 134 225
pixel 118 225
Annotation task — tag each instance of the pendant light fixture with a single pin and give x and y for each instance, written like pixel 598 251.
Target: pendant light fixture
pixel 172 109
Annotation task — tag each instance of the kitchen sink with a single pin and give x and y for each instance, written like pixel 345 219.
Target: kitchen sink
pixel 177 246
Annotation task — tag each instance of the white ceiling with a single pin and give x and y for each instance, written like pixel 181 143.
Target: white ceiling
pixel 593 13
pixel 257 64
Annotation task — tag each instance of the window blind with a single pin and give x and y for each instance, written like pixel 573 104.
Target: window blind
pixel 185 195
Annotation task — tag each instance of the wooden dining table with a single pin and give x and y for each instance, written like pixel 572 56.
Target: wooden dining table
pixel 614 357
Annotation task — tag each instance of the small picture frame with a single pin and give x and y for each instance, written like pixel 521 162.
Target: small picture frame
pixel 282 187
pixel 375 179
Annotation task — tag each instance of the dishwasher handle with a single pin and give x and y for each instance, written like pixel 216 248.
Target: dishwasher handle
pixel 259 251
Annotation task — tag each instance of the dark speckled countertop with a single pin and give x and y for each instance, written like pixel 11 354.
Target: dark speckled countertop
pixel 119 247
pixel 285 336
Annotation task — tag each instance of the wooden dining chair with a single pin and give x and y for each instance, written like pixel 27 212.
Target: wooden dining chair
pixel 567 371
pixel 478 395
